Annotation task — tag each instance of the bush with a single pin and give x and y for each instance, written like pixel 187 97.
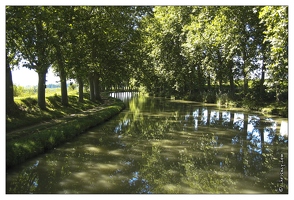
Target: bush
pixel 223 99
pixel 209 97
pixel 18 90
pixel 205 97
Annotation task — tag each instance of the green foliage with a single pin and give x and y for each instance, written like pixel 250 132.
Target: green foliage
pixel 18 90
pixel 76 40
pixel 187 47
pixel 21 91
pixel 275 19
pixel 223 99
pixel 170 50
pixel 72 86
pixel 209 97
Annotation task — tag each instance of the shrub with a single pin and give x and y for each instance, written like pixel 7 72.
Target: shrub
pixel 223 99
pixel 209 97
pixel 18 90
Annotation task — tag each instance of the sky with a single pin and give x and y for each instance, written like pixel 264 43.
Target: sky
pixel 27 77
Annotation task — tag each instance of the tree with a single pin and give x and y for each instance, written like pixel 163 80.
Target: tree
pixel 33 26
pixel 12 57
pixel 201 47
pixel 275 19
pixel 77 53
pixel 163 38
pixel 10 61
pixel 172 50
pixel 62 28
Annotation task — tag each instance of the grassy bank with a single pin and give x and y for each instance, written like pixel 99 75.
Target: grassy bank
pixel 31 141
pixel 28 113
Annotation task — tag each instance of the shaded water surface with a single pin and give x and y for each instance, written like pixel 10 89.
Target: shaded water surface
pixel 165 146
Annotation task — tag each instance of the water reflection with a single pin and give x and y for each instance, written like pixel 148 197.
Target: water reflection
pixel 238 121
pixel 124 96
pixel 214 117
pixel 226 118
pixel 175 148
pixel 204 116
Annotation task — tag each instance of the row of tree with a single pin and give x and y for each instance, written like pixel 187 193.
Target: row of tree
pixel 87 43
pixel 189 48
pixel 172 50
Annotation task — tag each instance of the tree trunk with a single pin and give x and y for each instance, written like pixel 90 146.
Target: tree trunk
pixel 10 104
pixel 220 84
pixel 277 91
pixel 192 74
pixel 200 79
pixel 41 89
pixel 231 78
pixel 220 71
pixel 209 82
pixel 245 85
pixel 81 89
pixel 244 56
pixel 261 90
pixel 232 86
pixel 97 87
pixel 91 84
pixel 62 75
pixel 64 96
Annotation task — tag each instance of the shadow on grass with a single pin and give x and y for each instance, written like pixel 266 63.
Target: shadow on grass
pixel 29 102
pixel 27 112
pixel 54 101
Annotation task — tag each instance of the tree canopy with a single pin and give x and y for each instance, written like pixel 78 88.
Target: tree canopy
pixel 185 51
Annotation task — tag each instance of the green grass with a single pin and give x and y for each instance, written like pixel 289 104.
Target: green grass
pixel 28 112
pixel 31 141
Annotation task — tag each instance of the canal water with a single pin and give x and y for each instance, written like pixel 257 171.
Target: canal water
pixel 162 146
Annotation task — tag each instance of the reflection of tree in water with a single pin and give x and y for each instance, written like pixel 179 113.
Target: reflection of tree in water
pixel 214 117
pixel 205 172
pixel 194 172
pixel 238 122
pixel 226 117
pixel 258 156
pixel 161 157
pixel 204 116
pixel 26 182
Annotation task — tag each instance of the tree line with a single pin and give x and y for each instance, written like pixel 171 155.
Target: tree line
pixel 171 50
pixel 188 49
pixel 86 43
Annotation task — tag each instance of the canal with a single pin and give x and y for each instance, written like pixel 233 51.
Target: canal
pixel 163 146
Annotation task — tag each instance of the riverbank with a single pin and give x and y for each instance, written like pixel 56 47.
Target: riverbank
pixel 31 139
pixel 250 102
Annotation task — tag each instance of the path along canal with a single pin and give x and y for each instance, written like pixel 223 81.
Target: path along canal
pixel 165 146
